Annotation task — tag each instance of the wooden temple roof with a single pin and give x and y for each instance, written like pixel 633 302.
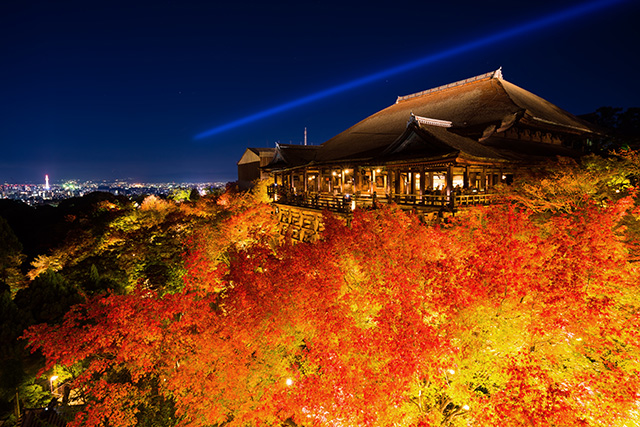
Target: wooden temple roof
pixel 475 108
pixel 291 156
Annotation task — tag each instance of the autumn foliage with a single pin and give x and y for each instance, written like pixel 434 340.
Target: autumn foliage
pixel 504 317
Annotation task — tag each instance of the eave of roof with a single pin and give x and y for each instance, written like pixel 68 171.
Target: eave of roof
pixel 543 111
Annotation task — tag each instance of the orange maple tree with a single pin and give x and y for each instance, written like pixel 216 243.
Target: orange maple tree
pixel 504 317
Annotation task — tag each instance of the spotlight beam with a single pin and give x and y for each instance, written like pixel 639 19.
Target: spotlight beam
pixel 519 30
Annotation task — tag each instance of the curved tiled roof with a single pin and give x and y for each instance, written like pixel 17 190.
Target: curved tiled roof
pixel 470 105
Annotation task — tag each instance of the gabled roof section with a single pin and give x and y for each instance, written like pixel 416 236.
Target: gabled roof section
pixel 432 122
pixel 421 142
pixel 252 155
pixel 290 156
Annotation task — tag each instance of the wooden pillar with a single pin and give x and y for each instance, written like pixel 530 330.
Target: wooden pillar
pixel 305 180
pixel 385 180
pixel 326 184
pixel 449 187
pixel 465 178
pixel 423 182
pixel 372 184
pixel 412 182
pixel 483 179
pixel 396 181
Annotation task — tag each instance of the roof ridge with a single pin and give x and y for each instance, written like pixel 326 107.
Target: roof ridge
pixel 497 74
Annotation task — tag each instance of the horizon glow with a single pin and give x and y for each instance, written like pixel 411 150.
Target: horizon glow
pixel 539 23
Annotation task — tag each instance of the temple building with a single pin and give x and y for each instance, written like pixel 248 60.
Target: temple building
pixel 250 164
pixel 444 148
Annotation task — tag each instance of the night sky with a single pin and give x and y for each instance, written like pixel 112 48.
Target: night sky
pixel 109 89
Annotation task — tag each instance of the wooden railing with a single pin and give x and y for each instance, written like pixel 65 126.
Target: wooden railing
pixel 347 203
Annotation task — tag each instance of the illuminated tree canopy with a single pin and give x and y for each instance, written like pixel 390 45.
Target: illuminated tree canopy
pixel 522 313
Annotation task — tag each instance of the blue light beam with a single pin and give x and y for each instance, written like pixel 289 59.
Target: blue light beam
pixel 549 20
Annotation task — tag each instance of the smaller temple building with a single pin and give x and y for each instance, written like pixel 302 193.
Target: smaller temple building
pixel 250 164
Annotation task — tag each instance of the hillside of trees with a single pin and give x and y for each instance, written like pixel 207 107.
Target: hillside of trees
pixel 199 313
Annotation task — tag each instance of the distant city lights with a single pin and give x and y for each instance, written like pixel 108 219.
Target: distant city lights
pixel 50 192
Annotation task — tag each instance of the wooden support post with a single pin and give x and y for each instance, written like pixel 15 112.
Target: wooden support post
pixel 372 184
pixel 304 178
pixel 385 181
pixel 324 187
pixel 396 181
pixel 423 182
pixel 449 188
pixel 412 184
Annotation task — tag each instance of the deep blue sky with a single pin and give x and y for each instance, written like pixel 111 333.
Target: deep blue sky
pixel 118 89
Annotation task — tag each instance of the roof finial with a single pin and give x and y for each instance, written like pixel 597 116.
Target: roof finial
pixel 498 74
